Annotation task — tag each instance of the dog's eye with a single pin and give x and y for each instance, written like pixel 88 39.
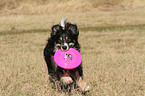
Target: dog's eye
pixel 59 41
pixel 68 40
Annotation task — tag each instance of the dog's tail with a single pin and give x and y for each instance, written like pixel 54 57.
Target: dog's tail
pixel 63 22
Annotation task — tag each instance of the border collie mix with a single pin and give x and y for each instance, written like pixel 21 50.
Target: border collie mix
pixel 64 36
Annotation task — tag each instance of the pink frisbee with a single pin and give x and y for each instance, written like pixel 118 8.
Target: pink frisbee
pixel 68 59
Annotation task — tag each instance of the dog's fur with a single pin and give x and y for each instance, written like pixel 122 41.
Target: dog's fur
pixel 64 37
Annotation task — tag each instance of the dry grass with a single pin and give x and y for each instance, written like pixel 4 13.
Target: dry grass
pixel 55 6
pixel 113 48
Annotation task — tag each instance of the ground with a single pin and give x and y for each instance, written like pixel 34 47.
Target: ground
pixel 112 47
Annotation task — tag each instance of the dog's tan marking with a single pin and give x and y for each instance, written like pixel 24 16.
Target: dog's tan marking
pixel 66 80
pixel 83 85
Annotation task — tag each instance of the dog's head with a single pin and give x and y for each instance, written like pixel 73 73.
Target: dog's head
pixel 65 38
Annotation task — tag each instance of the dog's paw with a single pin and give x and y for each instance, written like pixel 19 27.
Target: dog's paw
pixel 66 80
pixel 84 87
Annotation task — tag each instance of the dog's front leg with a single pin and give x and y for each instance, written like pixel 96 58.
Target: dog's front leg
pixel 79 78
pixel 64 77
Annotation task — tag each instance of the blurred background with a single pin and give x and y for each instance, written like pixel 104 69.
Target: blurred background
pixel 55 6
pixel 21 15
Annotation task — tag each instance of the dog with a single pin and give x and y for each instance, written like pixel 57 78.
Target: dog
pixel 64 36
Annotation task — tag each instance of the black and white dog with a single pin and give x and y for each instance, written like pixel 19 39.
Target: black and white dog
pixel 64 36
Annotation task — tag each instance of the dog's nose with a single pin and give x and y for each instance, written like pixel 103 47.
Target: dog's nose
pixel 64 47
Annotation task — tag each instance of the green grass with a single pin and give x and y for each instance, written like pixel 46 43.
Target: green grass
pixel 112 47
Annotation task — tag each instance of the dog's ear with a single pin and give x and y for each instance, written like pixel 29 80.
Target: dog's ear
pixel 73 28
pixel 56 29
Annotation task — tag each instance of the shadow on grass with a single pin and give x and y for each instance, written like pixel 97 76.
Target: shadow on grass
pixel 93 28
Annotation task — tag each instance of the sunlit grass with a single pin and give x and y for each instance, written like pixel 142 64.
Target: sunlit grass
pixel 58 6
pixel 112 47
pixel 113 63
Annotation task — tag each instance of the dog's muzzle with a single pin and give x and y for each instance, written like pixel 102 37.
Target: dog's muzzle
pixel 64 47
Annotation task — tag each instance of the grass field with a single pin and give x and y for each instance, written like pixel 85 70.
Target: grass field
pixel 112 47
